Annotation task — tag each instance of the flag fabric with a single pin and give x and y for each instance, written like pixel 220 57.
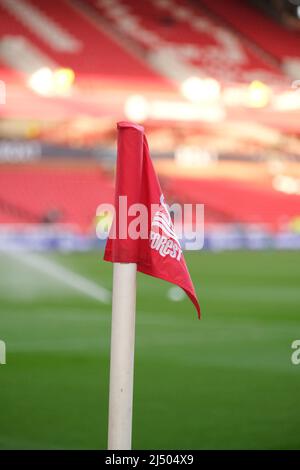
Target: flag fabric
pixel 156 250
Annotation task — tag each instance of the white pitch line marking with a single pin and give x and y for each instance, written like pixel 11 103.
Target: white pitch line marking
pixel 60 273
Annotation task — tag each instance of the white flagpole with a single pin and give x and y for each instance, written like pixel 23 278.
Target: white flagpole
pixel 122 356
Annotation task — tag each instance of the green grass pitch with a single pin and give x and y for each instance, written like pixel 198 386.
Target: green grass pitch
pixel 225 382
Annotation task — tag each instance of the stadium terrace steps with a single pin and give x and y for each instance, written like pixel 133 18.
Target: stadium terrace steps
pixel 242 16
pixel 180 39
pixel 175 38
pixel 85 48
pixel 41 25
pixel 73 193
pixel 237 201
pixel 20 54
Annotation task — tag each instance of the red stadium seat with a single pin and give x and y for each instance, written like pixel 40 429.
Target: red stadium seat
pixel 75 193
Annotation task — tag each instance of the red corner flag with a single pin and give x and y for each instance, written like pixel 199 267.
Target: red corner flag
pixel 156 251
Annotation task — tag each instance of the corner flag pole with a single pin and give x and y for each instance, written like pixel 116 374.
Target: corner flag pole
pixel 137 181
pixel 122 356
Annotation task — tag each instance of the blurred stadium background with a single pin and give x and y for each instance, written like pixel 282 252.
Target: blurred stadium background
pixel 216 85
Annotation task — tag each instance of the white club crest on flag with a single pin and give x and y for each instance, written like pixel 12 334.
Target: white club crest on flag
pixel 162 236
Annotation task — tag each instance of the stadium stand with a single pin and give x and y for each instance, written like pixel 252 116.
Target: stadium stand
pixel 256 204
pixel 73 192
pixel 157 25
pixel 241 16
pixel 67 38
pixel 212 38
